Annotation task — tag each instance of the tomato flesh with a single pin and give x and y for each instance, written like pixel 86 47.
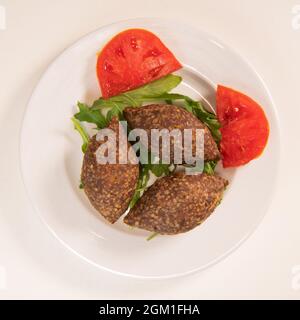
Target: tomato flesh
pixel 244 130
pixel 131 59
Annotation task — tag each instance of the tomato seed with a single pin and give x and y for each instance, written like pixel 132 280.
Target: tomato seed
pixel 108 67
pixel 134 43
pixel 119 51
pixel 155 71
pixel 152 53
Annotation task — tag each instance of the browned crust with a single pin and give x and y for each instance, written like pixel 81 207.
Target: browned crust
pixel 177 203
pixel 109 187
pixel 164 116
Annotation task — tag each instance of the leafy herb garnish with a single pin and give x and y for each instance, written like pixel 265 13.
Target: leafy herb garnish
pixel 209 166
pixel 133 98
pixel 136 97
pixel 209 118
pixel 89 115
pixel 152 235
pixel 81 186
pixel 158 169
pixel 85 137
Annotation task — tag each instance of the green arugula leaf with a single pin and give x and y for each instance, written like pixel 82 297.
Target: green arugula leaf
pixel 135 98
pixel 81 186
pixel 158 169
pixel 152 236
pixel 155 88
pixel 92 116
pixel 206 117
pixel 209 167
pixel 117 110
pixel 85 137
pixel 141 186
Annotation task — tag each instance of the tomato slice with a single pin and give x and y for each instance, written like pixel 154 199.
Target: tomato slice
pixel 131 59
pixel 244 130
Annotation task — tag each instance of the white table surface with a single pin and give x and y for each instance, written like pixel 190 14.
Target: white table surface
pixel 33 264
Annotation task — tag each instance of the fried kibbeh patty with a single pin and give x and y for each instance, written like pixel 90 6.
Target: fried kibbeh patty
pixel 109 187
pixel 166 116
pixel 177 203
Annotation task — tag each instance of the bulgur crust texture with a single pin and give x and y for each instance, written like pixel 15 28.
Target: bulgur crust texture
pixel 165 116
pixel 177 203
pixel 109 187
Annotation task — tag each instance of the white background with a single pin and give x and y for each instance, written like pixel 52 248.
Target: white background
pixel 33 264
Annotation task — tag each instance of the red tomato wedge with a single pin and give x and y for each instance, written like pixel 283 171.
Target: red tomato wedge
pixel 244 130
pixel 131 59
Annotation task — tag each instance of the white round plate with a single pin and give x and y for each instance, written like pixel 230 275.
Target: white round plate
pixel 51 158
